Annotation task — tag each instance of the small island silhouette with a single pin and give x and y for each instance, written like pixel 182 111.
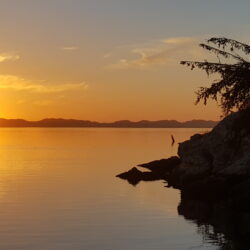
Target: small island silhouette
pixel 59 122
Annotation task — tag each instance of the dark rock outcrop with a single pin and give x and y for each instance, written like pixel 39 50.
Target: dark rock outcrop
pixel 224 152
pixel 134 176
pixel 213 174
pixel 213 166
pixel 163 165
pixel 159 170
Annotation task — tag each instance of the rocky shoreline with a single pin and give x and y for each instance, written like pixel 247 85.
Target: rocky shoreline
pixel 213 168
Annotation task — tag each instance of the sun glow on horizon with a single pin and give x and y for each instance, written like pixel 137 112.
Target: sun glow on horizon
pixel 108 61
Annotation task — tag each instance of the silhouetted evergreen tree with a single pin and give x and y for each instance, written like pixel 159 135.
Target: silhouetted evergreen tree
pixel 233 87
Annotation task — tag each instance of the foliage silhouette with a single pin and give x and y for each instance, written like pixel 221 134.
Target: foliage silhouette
pixel 233 87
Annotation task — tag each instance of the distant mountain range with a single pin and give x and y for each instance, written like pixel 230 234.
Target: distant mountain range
pixel 54 122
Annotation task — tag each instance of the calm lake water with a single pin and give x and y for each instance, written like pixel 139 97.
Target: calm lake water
pixel 58 191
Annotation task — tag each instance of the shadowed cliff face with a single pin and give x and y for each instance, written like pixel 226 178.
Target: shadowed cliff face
pixel 225 151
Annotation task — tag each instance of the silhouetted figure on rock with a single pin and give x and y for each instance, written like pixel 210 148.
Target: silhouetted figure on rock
pixel 173 140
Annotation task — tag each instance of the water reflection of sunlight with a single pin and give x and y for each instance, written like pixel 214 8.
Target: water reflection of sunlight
pixel 13 169
pixel 21 157
pixel 60 184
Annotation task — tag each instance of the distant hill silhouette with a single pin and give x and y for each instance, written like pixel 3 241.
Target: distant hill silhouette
pixel 59 122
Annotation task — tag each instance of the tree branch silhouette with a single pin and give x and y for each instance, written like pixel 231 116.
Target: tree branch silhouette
pixel 232 91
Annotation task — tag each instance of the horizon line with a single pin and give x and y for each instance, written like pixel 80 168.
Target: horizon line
pixel 121 120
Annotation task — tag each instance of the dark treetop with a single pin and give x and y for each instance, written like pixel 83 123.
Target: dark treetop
pixel 233 87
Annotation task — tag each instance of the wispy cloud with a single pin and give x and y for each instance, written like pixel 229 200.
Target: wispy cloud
pixel 70 48
pixel 162 52
pixel 180 40
pixel 107 55
pixel 9 57
pixel 19 84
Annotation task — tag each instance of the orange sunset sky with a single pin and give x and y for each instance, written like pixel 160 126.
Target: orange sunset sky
pixel 111 59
